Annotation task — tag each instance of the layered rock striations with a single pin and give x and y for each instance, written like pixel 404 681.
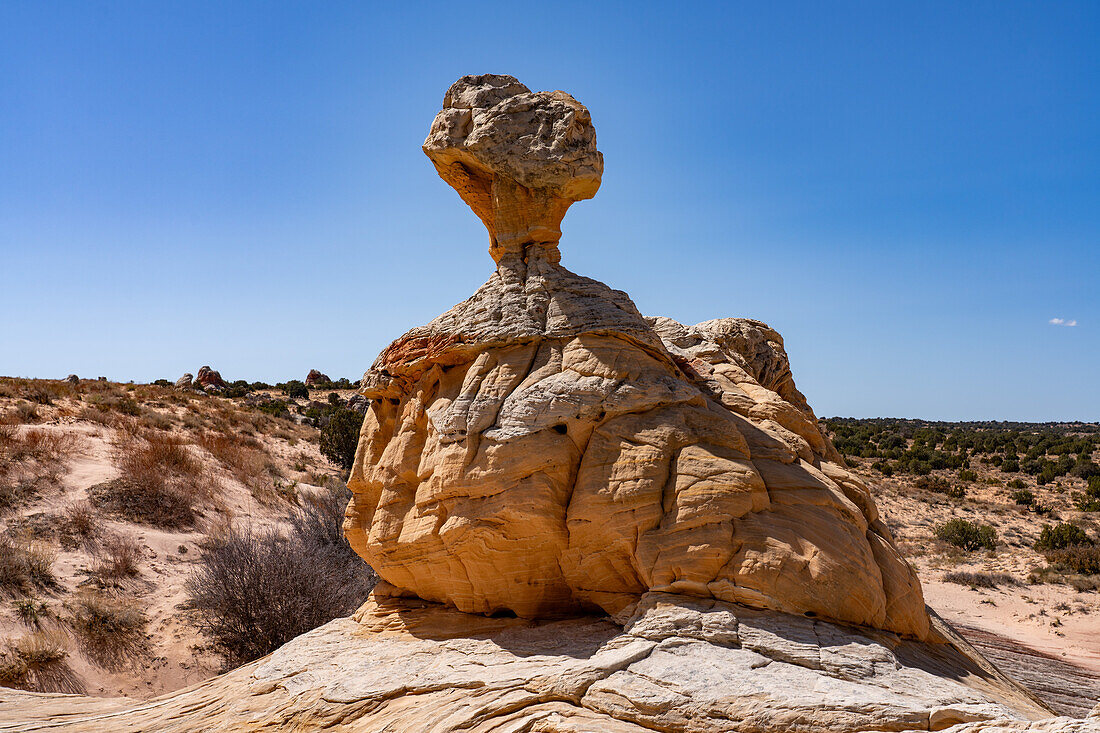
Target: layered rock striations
pixel 542 448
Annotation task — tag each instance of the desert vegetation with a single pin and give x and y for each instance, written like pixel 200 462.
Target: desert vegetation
pixel 1045 451
pixel 114 496
pixel 257 588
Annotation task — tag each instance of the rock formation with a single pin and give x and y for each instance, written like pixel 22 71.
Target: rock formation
pixel 655 502
pixel 358 403
pixel 671 664
pixel 542 448
pixel 185 381
pixel 210 380
pixel 72 379
pixel 315 377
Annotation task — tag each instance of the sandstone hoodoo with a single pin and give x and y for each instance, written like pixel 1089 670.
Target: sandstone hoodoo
pixel 681 544
pixel 542 448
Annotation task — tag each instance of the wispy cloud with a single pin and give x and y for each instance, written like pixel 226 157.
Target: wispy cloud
pixel 1063 322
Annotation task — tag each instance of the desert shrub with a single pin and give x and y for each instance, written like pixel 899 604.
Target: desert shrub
pixel 1089 501
pixel 1017 484
pixel 79 524
pixel 239 388
pixel 1023 497
pixel 1085 468
pixel 1083 559
pixel 41 648
pixel 967 535
pixel 30 611
pixel 119 557
pixel 965 474
pixel 883 467
pixel 340 437
pixel 158 485
pixel 16 492
pixel 156 453
pixel 37 662
pixel 275 408
pixel 113 401
pixel 243 456
pixel 1086 502
pixel 1010 465
pixel 980 580
pixel 935 484
pixel 295 390
pixel 111 630
pixel 25 565
pixel 99 617
pixel 255 589
pixel 30 459
pixel 1061 536
pixel 154 502
pixel 156 421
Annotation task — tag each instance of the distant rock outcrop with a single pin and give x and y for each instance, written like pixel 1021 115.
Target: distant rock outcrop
pixel 358 403
pixel 315 377
pixel 210 380
pixel 72 379
pixel 186 381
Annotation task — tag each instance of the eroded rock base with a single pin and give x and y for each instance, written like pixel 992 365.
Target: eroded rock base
pixel 671 663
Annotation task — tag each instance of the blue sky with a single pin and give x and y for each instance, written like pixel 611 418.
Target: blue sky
pixel 908 192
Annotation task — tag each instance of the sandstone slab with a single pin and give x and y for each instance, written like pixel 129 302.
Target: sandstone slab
pixel 673 663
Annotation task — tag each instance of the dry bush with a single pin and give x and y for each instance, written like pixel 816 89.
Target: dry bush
pixel 30 460
pixel 1080 559
pixel 243 456
pixel 159 482
pixel 39 445
pixel 36 662
pixel 111 630
pixel 155 502
pixel 25 565
pixel 80 524
pixel 90 414
pixel 256 589
pixel 116 401
pixel 155 421
pixel 980 580
pixel 118 558
pixel 156 453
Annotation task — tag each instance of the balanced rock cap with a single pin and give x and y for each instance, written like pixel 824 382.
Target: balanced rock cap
pixel 518 158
